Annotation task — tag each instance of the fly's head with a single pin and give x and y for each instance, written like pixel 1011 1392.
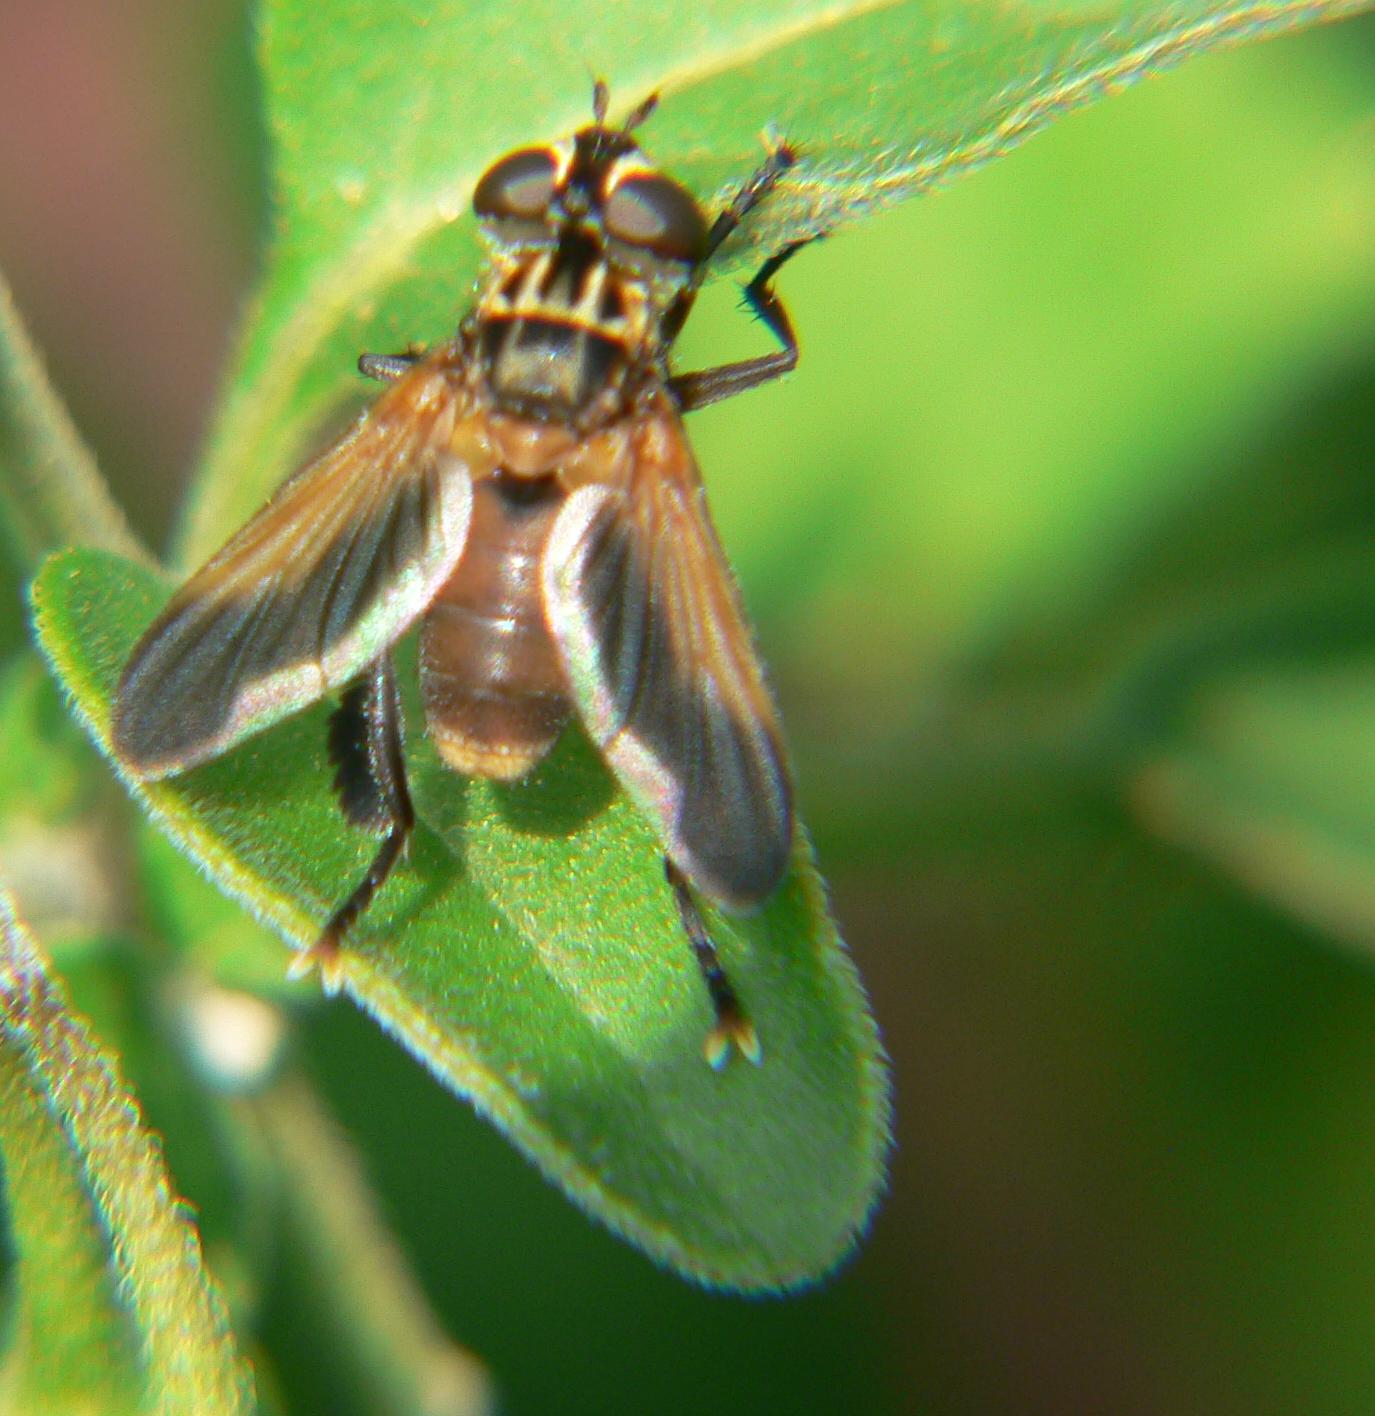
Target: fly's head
pixel 595 255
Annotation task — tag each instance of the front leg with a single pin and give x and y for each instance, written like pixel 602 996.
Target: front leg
pixel 706 386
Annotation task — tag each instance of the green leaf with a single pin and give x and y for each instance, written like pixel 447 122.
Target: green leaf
pixel 1271 775
pixel 529 952
pixel 115 1308
pixel 51 492
pixel 383 119
pixel 1003 464
pixel 70 1346
pixel 57 853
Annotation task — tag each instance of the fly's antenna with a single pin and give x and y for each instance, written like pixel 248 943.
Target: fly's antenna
pixel 601 102
pixel 641 114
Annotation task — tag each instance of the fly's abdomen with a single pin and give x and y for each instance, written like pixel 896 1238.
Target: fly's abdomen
pixel 495 693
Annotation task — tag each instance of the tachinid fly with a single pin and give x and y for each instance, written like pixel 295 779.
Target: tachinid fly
pixel 525 491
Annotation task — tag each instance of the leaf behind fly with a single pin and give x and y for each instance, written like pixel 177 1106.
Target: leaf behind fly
pixel 384 120
pixel 529 953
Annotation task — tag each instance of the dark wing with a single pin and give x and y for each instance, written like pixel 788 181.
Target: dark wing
pixel 663 669
pixel 325 577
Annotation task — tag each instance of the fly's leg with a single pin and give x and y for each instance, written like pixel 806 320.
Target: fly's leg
pixel 365 745
pixel 697 390
pixel 387 368
pixel 781 157
pixel 732 1028
pixel 712 385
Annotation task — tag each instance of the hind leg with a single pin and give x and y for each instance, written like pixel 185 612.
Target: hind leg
pixel 732 1028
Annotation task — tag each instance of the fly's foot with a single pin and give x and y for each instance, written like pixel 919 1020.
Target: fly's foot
pixel 733 1033
pixel 325 957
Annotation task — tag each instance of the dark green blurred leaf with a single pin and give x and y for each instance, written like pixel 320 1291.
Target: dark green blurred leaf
pixel 115 1307
pixel 385 1336
pixel 530 953
pixel 1272 776
pixel 382 121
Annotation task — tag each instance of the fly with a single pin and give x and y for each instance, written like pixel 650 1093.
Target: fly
pixel 526 493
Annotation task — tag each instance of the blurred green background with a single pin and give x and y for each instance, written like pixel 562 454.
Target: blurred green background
pixel 1061 543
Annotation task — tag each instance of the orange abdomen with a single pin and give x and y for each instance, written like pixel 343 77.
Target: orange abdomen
pixel 495 693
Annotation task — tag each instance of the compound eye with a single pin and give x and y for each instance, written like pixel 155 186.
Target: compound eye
pixel 521 184
pixel 655 212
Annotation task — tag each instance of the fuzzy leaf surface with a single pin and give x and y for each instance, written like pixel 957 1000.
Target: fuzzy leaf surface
pixel 529 952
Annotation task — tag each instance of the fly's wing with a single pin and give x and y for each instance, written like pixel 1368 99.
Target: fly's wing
pixel 326 576
pixel 663 670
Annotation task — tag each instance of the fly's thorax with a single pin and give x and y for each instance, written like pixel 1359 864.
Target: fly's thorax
pixel 566 333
